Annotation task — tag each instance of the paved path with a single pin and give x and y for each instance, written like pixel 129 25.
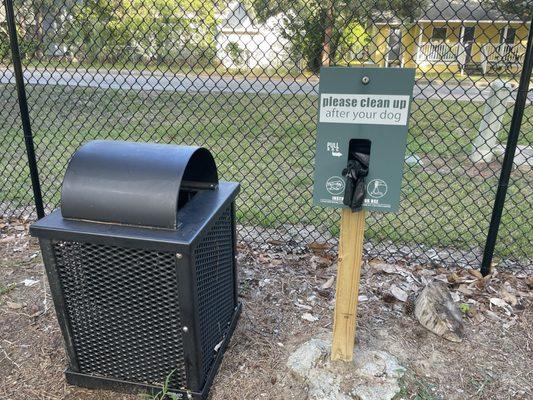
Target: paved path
pixel 156 81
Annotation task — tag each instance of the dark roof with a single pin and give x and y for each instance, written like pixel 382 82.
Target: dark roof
pixel 470 10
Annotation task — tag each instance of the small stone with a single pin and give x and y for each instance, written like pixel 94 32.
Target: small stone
pixel 306 356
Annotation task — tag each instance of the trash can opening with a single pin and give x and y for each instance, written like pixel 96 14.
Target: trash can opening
pixel 143 184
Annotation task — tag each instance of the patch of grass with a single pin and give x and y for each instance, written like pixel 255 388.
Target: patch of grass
pixel 480 385
pixel 425 392
pixel 6 289
pixel 266 142
pixel 415 388
pixel 174 68
pixel 165 393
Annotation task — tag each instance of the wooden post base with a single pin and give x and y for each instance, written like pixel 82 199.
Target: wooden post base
pixel 347 289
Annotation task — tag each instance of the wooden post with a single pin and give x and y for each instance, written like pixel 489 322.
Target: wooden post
pixel 347 289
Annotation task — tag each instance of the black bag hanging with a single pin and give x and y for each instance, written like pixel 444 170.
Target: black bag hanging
pixel 355 173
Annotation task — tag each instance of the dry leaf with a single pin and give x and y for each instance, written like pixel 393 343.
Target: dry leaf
pixel 492 315
pixel 318 248
pixel 453 277
pixel 275 242
pixel 508 297
pixel 529 282
pixel 29 282
pixel 455 297
pixel 319 261
pixel 475 273
pixel 309 317
pixel 14 306
pixel 387 268
pixel 398 293
pixel 388 298
pixel 328 283
pixel 498 302
pixel 304 306
pixel 480 284
pixel 8 239
pixel 502 304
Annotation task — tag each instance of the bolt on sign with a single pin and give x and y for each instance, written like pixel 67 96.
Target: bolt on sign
pixel 358 106
pixel 360 149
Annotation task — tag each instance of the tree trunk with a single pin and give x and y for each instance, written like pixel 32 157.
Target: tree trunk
pixel 328 36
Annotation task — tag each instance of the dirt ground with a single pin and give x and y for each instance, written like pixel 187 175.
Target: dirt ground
pixel 278 287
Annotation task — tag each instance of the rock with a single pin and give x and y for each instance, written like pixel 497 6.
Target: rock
pixel 325 385
pixel 436 311
pixel 380 368
pixel 384 391
pixel 376 364
pixel 373 375
pixel 306 356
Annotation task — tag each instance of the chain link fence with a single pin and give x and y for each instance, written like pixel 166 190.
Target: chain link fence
pixel 241 78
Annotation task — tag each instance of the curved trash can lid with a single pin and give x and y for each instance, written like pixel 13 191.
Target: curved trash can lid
pixel 134 183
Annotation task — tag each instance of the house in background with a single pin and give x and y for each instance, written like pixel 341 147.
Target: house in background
pixel 453 36
pixel 240 43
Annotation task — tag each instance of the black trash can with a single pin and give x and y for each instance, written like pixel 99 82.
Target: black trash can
pixel 141 263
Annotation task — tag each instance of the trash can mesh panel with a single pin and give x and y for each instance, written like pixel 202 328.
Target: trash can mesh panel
pixel 215 283
pixel 123 310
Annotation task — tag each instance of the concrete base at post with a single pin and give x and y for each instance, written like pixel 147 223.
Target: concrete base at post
pixel 372 375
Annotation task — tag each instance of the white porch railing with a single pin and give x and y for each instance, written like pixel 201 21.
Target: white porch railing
pixel 504 53
pixel 438 52
pixel 491 54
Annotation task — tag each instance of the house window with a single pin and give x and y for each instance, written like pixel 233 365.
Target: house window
pixel 439 33
pixel 507 35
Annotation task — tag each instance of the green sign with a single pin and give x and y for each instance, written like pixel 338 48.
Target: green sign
pixel 361 109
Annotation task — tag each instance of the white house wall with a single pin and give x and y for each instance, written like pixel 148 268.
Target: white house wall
pixel 262 47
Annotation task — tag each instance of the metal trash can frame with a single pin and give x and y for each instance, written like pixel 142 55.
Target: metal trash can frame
pixel 141 263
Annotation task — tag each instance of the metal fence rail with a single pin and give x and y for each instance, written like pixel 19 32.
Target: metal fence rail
pixel 241 78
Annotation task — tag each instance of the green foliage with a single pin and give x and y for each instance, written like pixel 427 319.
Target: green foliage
pixel 354 38
pixel 165 393
pixel 235 52
pixel 316 29
pixel 4 46
pixel 27 47
pixel 514 8
pixel 147 30
pixel 6 289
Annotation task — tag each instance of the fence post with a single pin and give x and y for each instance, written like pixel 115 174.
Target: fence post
pixel 23 105
pixel 507 165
